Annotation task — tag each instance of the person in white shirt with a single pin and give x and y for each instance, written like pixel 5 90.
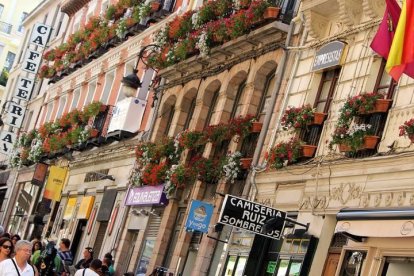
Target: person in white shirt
pixel 19 266
pixel 93 270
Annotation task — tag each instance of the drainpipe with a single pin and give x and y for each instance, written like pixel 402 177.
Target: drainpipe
pixel 157 106
pixel 279 77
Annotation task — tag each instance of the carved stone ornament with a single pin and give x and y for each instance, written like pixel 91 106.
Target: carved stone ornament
pixel 377 200
pixel 412 200
pixel 305 203
pixel 364 202
pixel 350 11
pixel 373 8
pixel 400 198
pixel 387 199
pixel 316 24
pixel 346 192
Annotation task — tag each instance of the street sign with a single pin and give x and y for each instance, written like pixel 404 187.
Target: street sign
pixel 251 216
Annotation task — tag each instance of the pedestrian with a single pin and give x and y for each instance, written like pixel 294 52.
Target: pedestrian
pixel 107 265
pixel 15 238
pixel 66 255
pixel 6 249
pixel 93 270
pixel 87 258
pixel 37 246
pixel 19 266
pixel 47 262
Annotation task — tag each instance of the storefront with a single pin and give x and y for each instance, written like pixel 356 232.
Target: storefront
pixel 144 221
pixel 379 241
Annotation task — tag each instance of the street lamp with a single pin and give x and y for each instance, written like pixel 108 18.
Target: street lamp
pixel 132 82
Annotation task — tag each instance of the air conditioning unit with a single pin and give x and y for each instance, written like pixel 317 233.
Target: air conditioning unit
pixel 127 115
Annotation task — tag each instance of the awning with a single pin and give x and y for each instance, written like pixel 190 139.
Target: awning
pixel 392 222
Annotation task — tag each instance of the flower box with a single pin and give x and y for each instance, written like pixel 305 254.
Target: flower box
pixel 271 12
pixel 256 127
pixel 344 148
pixel 370 142
pixel 94 133
pixel 308 150
pixel 318 118
pixel 246 163
pixel 382 105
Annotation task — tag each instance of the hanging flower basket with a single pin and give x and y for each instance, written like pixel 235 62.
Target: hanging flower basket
pixel 256 127
pixel 308 150
pixel 370 142
pixel 344 148
pixel 246 163
pixel 271 13
pixel 318 118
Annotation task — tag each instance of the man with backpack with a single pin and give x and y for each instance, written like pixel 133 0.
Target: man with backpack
pixel 48 263
pixel 66 255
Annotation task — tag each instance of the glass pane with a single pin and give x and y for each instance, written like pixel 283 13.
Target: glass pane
pixel 353 263
pixel 231 261
pixel 283 267
pixel 295 246
pixel 240 266
pixel 294 269
pixel 304 246
pixel 286 245
pixel 325 90
pixel 385 79
pixel 145 257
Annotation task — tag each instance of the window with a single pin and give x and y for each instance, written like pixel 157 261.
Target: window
pixel 59 25
pixel 75 99
pixel 353 263
pixel 76 22
pixel 384 83
pixel 265 98
pixel 1 10
pixel 170 114
pixel 326 90
pixel 211 109
pixel 146 81
pixel 190 114
pixel 237 105
pixel 109 80
pixel 28 120
pixel 62 104
pixel 145 256
pixel 49 112
pixel 91 92
pixel 24 45
pixel 91 9
pixel 22 18
pixel 9 61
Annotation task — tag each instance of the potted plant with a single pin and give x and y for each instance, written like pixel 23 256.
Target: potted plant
pixel 308 150
pixel 242 126
pixel 191 139
pixel 207 170
pixel 357 137
pixel 298 117
pixel 217 133
pixel 407 129
pixel 285 153
pixel 154 174
pixel 231 166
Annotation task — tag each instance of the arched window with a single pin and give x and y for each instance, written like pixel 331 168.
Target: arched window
pixel 237 105
pixel 190 114
pixel 170 114
pixel 62 103
pixel 75 99
pixel 109 80
pixel 265 98
pixel 91 92
pixel 211 109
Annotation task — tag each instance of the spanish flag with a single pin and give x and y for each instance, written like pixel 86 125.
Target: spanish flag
pixel 401 56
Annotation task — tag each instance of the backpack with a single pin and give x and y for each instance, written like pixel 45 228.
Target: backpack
pixel 46 263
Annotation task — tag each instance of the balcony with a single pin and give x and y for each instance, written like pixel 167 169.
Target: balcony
pixel 5 27
pixel 70 7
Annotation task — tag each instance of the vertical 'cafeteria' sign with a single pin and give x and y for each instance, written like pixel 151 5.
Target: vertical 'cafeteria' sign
pixel 31 63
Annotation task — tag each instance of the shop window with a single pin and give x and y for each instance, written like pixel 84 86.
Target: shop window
pixel 234 265
pixel 353 263
pixel 237 105
pixel 265 98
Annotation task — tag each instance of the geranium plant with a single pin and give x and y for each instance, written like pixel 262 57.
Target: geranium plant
pixel 297 117
pixel 407 129
pixel 284 153
pixel 352 137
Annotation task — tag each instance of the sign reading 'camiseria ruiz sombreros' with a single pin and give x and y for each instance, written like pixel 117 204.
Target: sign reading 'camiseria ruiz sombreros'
pixel 252 216
pixel 24 86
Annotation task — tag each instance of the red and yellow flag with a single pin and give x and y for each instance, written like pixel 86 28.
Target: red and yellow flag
pixel 402 49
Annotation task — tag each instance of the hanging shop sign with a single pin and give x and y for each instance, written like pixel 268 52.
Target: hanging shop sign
pixel 15 113
pixel 40 34
pixel 85 207
pixel 55 182
pixel 147 195
pixel 7 141
pixel 330 55
pixel 252 216
pixel 107 204
pixel 39 174
pixel 70 206
pixel 199 217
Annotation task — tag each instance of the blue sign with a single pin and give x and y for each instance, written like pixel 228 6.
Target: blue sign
pixel 199 216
